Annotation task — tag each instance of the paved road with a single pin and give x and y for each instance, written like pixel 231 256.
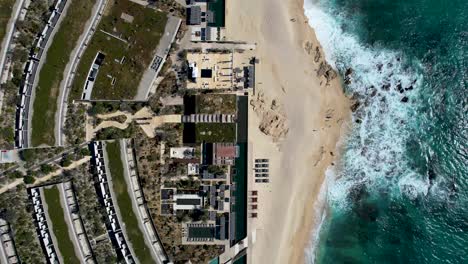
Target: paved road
pixel 170 32
pixel 65 85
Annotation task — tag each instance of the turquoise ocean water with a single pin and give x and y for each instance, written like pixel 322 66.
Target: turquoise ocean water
pixel 401 195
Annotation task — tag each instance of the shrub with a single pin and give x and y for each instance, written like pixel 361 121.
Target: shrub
pixel 29 179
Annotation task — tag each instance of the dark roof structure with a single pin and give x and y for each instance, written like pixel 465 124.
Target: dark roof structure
pixel 194 15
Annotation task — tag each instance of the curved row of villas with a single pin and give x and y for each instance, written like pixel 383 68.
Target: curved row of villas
pixel 76 223
pixel 30 72
pixel 104 192
pixel 43 229
pixel 7 245
pixel 142 212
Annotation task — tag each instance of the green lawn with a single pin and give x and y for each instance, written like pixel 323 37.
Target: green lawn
pixel 138 41
pixel 134 234
pixel 51 74
pixel 215 132
pixel 6 11
pixel 59 226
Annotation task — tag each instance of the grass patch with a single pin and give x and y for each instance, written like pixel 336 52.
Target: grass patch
pixel 134 234
pixel 216 104
pixel 215 132
pixel 128 52
pixel 59 226
pixel 51 74
pixel 6 11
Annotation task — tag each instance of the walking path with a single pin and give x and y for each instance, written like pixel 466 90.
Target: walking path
pixel 145 118
pixel 17 182
pixel 164 46
pixel 73 165
pixel 65 85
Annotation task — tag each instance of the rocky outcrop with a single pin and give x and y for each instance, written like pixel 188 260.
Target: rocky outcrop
pixel 272 117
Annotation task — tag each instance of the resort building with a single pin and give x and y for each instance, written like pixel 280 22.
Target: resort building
pixel 220 70
pixel 7 246
pixel 43 230
pixel 188 202
pixel 225 153
pixel 104 192
pixel 182 153
pixel 219 153
pixel 206 19
pixel 210 70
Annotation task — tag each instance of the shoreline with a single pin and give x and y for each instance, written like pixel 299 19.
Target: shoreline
pixel 300 104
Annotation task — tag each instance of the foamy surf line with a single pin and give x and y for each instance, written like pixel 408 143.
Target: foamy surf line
pixel 320 208
pixel 384 88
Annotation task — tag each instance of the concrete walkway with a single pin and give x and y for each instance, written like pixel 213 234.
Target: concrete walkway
pixel 164 46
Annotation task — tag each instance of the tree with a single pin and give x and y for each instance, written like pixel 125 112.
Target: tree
pixel 15 175
pixel 85 152
pixel 46 168
pixel 29 179
pixel 66 161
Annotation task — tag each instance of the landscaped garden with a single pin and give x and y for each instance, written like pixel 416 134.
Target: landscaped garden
pixel 127 35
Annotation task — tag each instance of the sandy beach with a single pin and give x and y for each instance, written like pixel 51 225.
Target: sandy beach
pixel 298 115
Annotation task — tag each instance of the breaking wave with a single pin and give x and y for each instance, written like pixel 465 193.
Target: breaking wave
pixel 384 86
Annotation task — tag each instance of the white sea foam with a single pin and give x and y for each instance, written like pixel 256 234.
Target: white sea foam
pixel 320 213
pixel 374 152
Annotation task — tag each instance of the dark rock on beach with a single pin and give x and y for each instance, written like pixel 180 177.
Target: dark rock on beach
pixel 404 99
pixel 355 106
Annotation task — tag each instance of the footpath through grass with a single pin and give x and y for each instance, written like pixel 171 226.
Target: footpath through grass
pixel 6 11
pixel 52 71
pixel 59 226
pixel 134 234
